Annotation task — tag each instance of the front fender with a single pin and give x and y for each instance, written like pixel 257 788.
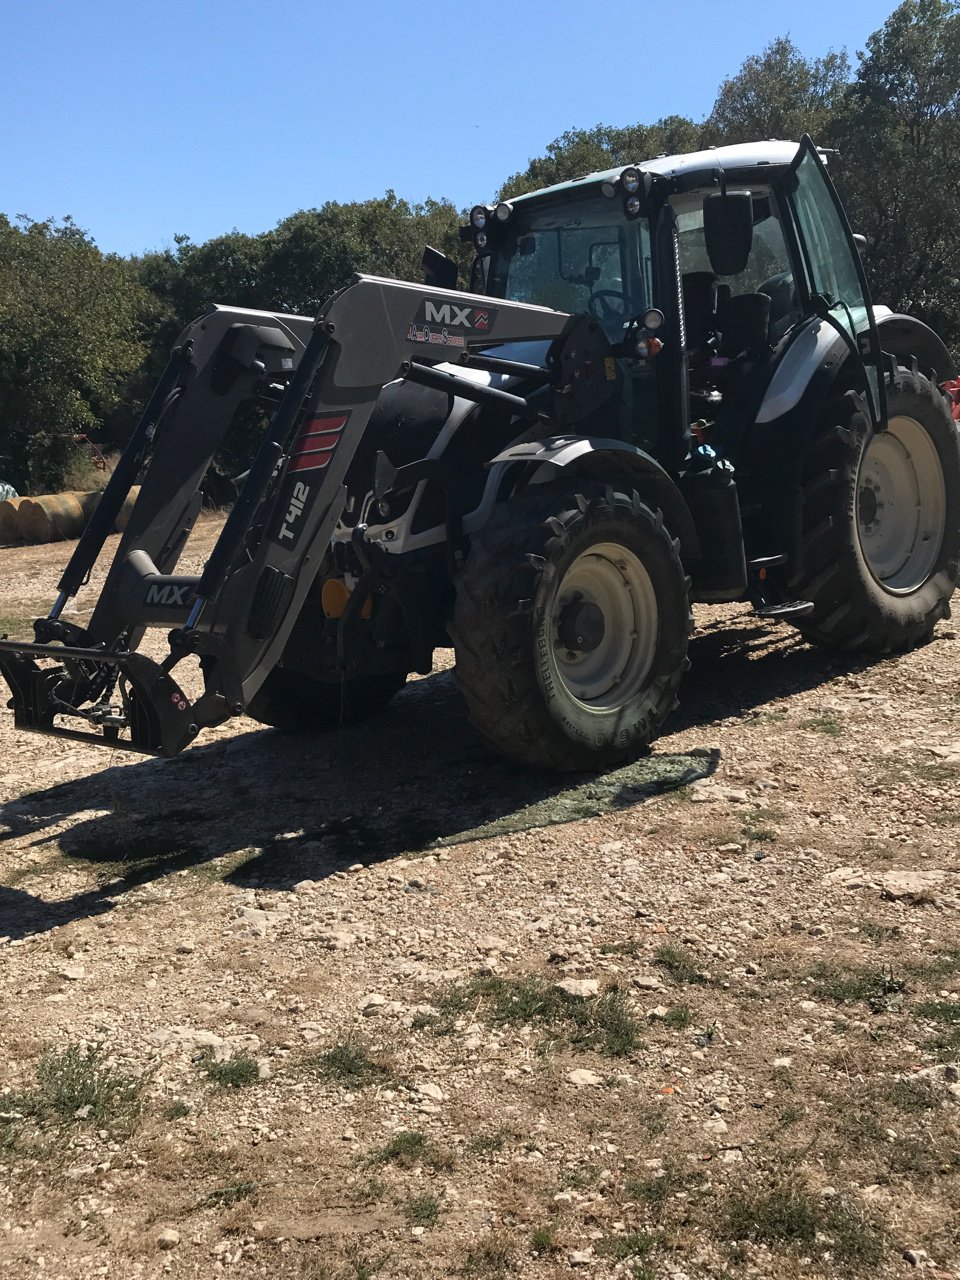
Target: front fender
pixel 906 338
pixel 598 458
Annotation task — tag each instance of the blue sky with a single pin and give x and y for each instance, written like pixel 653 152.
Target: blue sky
pixel 145 119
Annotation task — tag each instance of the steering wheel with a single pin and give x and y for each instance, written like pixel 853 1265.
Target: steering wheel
pixel 601 307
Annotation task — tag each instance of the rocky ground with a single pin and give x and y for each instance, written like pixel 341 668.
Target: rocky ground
pixel 376 1004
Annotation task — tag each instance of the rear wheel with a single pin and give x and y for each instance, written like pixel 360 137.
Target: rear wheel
pixel 571 627
pixel 881 521
pixel 300 703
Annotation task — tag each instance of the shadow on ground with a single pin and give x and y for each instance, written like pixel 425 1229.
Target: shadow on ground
pixel 263 809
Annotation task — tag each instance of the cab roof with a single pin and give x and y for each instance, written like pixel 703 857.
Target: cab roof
pixel 741 157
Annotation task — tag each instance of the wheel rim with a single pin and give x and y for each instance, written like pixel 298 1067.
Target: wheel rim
pixel 901 506
pixel 603 625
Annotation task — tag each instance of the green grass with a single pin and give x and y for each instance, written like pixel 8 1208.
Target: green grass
pixel 679 1017
pixel 222 1197
pixel 491 1255
pixel 422 1211
pixel 485 1144
pixel 544 1239
pixel 233 1073
pixel 682 965
pixel 827 724
pixel 879 933
pixel 177 1110
pixel 634 1244
pixel 879 988
pixel 353 1063
pixel 603 1023
pixel 409 1148
pixel 76 1085
pixel 786 1214
pixel 946 1042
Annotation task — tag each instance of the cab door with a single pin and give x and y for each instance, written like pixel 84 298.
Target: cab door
pixel 834 273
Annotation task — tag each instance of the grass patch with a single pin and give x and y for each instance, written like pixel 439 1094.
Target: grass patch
pixel 829 725
pixel 78 1085
pixel 634 1244
pixel 603 1022
pixel 679 1017
pixel 232 1073
pixel 788 1215
pixel 880 933
pixel 222 1197
pixel 422 1211
pixel 485 1144
pixel 947 1013
pixel 620 949
pixel 657 1191
pixel 544 1239
pixel 491 1255
pixel 681 964
pixel 353 1063
pixel 177 1110
pixel 879 989
pixel 409 1148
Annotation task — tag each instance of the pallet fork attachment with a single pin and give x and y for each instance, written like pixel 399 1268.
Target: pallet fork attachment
pixel 237 616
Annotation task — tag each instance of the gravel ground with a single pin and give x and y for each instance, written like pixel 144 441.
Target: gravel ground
pixel 375 1003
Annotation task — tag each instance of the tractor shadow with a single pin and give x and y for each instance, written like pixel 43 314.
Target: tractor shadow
pixel 261 809
pixel 264 809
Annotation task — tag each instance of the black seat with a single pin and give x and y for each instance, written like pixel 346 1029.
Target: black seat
pixel 744 323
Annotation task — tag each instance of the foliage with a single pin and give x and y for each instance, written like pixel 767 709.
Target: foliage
pixel 71 335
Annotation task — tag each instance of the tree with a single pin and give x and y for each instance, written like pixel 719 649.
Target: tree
pixel 780 94
pixel 899 135
pixel 581 151
pixel 71 323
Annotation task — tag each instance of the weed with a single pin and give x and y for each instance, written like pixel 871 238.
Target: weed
pixel 946 1011
pixel 759 835
pixel 353 1063
pixel 873 987
pixel 544 1239
pixel 879 933
pixel 619 949
pixel 78 1084
pixel 680 964
pixel 406 1149
pixel 422 1211
pixel 679 1017
pixel 492 1254
pixel 224 1196
pixel 177 1110
pixel 580 1178
pixel 603 1023
pixel 827 724
pixel 233 1073
pixel 484 1144
pixel 656 1192
pixel 635 1244
pixel 790 1215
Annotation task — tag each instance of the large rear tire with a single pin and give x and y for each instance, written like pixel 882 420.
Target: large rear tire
pixel 571 626
pixel 881 521
pixel 299 703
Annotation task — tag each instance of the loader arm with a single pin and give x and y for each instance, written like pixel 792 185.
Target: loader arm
pixel 237 616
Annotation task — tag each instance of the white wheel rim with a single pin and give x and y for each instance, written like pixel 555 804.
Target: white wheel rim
pixel 901 506
pixel 606 672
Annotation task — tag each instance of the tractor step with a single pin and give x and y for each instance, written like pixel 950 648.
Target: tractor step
pixel 768 592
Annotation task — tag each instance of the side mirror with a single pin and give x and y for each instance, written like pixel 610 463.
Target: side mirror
pixel 861 242
pixel 439 271
pixel 728 230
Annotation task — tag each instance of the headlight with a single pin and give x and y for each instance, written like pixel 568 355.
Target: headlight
pixel 630 180
pixel 480 239
pixel 652 319
pixel 503 210
pixel 478 217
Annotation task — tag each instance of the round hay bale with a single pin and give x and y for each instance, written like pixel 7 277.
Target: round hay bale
pixel 123 515
pixel 51 518
pixel 9 525
pixel 89 502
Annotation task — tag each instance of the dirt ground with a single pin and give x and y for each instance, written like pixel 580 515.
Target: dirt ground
pixel 377 1004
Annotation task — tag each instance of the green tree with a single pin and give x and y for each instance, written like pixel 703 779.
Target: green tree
pixel 581 151
pixel 899 135
pixel 71 324
pixel 780 94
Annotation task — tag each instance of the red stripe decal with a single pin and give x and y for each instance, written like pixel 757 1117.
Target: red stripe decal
pixel 328 423
pixel 310 462
pixel 318 440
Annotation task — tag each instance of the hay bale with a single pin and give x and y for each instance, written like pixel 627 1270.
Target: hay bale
pixel 50 518
pixel 125 512
pixel 9 524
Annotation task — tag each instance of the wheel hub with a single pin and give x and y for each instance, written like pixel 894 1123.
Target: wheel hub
pixel 580 626
pixel 901 505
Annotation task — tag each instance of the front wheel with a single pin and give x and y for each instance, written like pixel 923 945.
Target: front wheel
pixel 881 521
pixel 570 627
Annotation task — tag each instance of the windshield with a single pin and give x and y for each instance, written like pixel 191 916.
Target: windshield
pixel 576 256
